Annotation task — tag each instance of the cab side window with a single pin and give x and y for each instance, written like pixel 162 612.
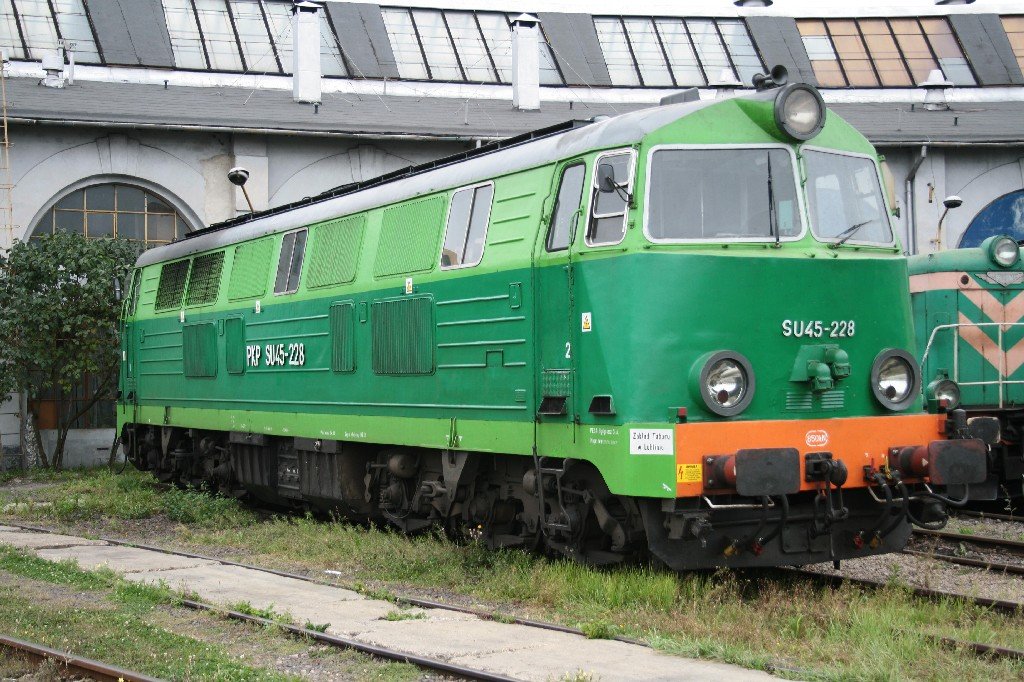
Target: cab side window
pixel 466 231
pixel 289 265
pixel 567 204
pixel 608 217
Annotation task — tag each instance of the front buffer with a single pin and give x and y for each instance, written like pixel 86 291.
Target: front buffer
pixel 811 490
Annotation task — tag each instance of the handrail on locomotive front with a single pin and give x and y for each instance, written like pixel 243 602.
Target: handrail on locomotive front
pixel 1001 381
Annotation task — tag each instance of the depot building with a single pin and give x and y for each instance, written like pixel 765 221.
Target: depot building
pixel 124 116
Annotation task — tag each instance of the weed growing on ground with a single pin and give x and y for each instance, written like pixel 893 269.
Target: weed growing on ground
pixel 316 627
pixel 267 613
pixel 100 493
pixel 404 615
pixel 600 629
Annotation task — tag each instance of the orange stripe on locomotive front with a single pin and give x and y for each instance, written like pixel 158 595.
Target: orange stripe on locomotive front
pixel 856 441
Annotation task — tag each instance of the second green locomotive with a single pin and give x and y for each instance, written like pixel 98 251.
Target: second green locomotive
pixel 969 313
pixel 668 333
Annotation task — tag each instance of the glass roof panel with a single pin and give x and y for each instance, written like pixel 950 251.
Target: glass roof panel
pixel 741 48
pixel 405 44
pixel 647 50
pixel 186 42
pixel 470 45
pixel 621 68
pixel 710 49
pixel 252 32
pixel 1014 27
pixel 437 45
pixel 10 38
pixel 74 27
pixel 37 27
pixel 219 36
pixel 681 56
pixel 279 16
pixel 498 36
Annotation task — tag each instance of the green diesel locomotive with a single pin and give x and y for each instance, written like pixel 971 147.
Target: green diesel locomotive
pixel 668 334
pixel 969 315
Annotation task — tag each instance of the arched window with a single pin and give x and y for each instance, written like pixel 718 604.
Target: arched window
pixel 1005 215
pixel 115 210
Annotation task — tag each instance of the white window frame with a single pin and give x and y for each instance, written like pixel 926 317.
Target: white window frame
pixel 487 225
pixel 592 214
pixel 800 198
pixel 887 210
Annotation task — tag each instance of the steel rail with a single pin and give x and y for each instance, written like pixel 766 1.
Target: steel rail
pixel 988 540
pixel 994 566
pixel 995 604
pixel 94 669
pixel 355 645
pixel 986 515
pixel 981 649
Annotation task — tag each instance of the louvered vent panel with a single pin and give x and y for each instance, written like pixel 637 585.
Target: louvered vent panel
pixel 234 345
pixel 335 252
pixel 200 349
pixel 342 342
pixel 204 284
pixel 403 336
pixel 409 237
pixel 250 269
pixel 173 277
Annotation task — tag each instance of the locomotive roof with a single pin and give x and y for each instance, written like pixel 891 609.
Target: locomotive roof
pixel 615 131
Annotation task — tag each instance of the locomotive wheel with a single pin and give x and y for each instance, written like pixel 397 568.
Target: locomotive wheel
pixel 605 528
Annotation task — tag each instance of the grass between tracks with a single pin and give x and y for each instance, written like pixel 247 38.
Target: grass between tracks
pixel 787 624
pixel 99 615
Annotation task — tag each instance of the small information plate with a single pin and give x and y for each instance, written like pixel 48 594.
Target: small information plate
pixel 651 442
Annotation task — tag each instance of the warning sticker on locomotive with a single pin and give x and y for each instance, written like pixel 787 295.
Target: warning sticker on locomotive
pixel 688 473
pixel 651 442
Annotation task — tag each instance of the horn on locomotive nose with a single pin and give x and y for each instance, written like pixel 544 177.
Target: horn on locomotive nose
pixel 776 78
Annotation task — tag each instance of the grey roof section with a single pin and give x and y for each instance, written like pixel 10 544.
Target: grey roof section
pixel 273 111
pixel 892 124
pixel 617 131
pixel 778 41
pixel 132 32
pixel 363 39
pixel 987 48
pixel 577 50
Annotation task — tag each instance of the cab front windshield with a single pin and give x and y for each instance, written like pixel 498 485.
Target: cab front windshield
pixel 845 200
pixel 722 194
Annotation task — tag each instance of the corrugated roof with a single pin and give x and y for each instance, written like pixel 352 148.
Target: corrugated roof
pixel 104 103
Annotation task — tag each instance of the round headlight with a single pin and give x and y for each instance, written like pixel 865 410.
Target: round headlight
pixel 945 389
pixel 895 379
pixel 1005 251
pixel 799 111
pixel 726 383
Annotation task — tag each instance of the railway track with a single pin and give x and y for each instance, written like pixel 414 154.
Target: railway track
pixel 978 648
pixel 927 593
pixel 986 515
pixel 102 672
pixel 1011 546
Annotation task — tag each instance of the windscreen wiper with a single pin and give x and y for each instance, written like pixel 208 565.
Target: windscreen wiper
pixel 773 220
pixel 849 232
